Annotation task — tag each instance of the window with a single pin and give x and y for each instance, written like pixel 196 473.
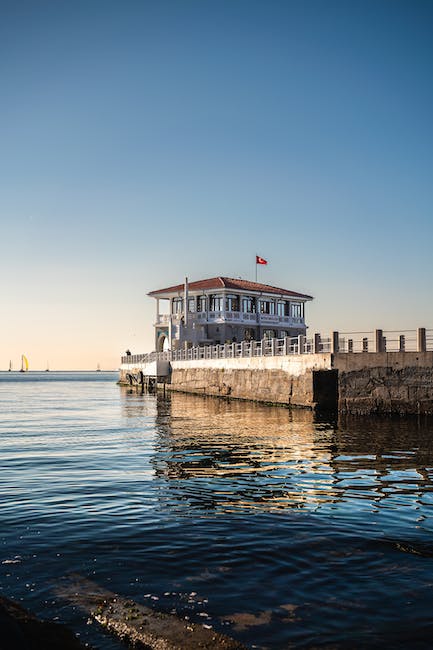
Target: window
pixel 249 334
pixel 216 303
pixel 296 309
pixel 281 308
pixel 248 305
pixel 191 305
pixel 202 303
pixel 283 334
pixel 232 303
pixel 269 334
pixel 267 307
pixel 177 305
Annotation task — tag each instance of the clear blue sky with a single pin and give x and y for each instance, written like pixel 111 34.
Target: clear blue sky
pixel 145 141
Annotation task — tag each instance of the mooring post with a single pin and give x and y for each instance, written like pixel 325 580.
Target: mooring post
pixel 402 341
pixel 317 344
pixel 421 340
pixel 287 345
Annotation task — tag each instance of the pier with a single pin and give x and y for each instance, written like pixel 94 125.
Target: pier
pixel 377 372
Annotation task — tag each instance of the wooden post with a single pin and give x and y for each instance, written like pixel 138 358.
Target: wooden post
pixel 402 343
pixel 287 345
pixel 317 344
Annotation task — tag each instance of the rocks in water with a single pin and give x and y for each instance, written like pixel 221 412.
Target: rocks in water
pixel 21 630
pixel 141 626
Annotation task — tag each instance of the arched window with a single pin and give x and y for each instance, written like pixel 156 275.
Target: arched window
pixel 249 334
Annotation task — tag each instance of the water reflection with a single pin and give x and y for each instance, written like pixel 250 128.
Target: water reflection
pixel 218 455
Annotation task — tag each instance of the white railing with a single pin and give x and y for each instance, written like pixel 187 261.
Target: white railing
pixel 420 340
pixel 233 317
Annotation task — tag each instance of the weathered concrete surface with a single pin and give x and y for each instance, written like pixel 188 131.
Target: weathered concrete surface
pixel 385 383
pixel 280 380
pixel 21 630
pixel 363 383
pixel 141 626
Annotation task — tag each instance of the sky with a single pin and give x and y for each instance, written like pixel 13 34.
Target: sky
pixel 142 142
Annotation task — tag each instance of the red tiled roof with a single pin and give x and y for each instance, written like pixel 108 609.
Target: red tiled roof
pixel 230 283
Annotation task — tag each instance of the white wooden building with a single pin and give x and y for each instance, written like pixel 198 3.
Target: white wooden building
pixel 226 310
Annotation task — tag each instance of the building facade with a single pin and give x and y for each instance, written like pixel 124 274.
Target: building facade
pixel 225 310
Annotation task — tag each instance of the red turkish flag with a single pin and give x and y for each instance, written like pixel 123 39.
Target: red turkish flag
pixel 260 260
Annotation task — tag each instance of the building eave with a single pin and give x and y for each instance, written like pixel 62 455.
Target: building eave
pixel 223 284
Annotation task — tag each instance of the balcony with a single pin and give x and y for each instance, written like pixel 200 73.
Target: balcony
pixel 242 318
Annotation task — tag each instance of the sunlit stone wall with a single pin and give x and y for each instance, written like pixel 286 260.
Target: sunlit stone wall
pixel 279 380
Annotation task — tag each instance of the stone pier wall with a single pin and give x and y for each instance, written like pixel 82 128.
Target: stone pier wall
pixel 279 380
pixel 385 383
pixel 358 383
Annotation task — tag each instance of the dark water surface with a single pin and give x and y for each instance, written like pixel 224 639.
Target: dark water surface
pixel 277 529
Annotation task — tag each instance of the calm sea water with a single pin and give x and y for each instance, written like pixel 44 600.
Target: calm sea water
pixel 274 528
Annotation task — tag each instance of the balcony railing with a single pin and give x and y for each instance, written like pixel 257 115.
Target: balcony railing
pixel 233 317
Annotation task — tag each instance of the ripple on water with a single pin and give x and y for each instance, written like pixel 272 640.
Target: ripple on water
pixel 262 522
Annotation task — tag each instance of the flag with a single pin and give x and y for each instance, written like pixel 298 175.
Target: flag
pixel 260 260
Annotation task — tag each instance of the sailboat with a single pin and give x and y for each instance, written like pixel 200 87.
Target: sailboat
pixel 24 363
pixel 47 369
pixel 10 366
pixel 98 368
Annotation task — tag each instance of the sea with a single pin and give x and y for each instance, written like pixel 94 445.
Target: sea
pixel 273 526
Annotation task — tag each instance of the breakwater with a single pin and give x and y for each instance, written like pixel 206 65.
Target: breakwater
pixel 355 376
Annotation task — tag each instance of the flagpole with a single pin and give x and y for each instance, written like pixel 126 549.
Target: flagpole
pixel 256 267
